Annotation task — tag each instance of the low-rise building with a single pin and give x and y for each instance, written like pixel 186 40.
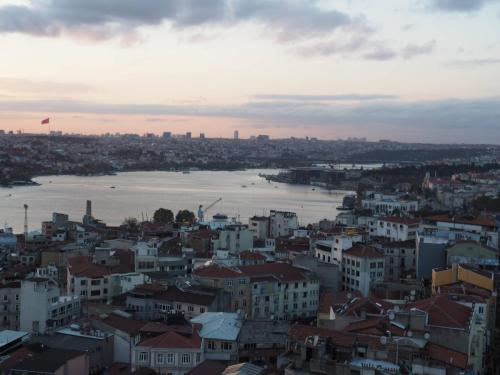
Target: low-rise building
pixel 220 332
pixel 175 351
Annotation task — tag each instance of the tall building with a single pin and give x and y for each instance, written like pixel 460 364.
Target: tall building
pixel 202 135
pixel 167 135
pixel 188 135
pixel 236 134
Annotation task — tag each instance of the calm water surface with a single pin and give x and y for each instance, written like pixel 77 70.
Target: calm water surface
pixel 141 193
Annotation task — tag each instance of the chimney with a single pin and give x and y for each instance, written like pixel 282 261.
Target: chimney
pixel 89 208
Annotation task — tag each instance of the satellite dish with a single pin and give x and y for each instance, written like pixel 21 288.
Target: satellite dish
pixel 409 334
pixel 383 340
pixel 427 336
pixel 392 315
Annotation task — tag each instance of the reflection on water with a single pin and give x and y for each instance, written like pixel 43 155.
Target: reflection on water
pixel 243 194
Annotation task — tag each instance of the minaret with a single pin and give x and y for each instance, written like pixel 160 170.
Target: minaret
pixel 25 224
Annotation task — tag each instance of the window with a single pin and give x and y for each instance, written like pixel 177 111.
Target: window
pixel 170 358
pixel 373 265
pixel 198 357
pixel 95 293
pixel 211 345
pixel 83 282
pixel 242 281
pixel 160 358
pixel 202 310
pixel 186 359
pixel 190 308
pixel 380 264
pixel 143 356
pixel 95 282
pixel 227 346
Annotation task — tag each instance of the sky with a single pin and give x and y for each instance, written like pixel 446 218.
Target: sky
pixel 406 70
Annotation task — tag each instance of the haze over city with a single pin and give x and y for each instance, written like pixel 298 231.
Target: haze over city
pixel 416 70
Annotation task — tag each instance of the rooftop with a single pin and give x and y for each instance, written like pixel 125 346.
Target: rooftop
pixel 363 251
pixel 219 325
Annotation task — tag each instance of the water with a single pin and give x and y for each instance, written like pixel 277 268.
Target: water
pixel 141 193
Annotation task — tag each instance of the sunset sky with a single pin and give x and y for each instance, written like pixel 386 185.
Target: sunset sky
pixel 410 70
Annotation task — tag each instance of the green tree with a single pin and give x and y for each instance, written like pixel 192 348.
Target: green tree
pixel 163 216
pixel 184 216
pixel 131 224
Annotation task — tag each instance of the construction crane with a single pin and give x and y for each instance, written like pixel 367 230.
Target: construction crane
pixel 202 211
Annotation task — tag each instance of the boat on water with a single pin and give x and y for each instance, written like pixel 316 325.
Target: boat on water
pixel 243 186
pixel 186 172
pixel 112 187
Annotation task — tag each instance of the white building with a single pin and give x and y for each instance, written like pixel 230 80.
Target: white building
pixel 43 308
pixel 174 352
pixel 396 228
pixel 388 204
pixel 330 251
pixel 219 331
pixel 361 266
pixel 234 238
pixel 282 223
pixel 146 256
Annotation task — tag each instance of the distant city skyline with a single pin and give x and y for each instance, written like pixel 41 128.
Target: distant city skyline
pixel 412 71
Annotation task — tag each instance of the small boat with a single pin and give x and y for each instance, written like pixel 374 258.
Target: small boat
pixel 313 189
pixel 112 187
pixel 243 186
pixel 185 172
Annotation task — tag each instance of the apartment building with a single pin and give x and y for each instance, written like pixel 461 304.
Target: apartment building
pixel 234 238
pixel 279 290
pixel 361 267
pixel 9 305
pixel 43 308
pixel 282 223
pixel 396 228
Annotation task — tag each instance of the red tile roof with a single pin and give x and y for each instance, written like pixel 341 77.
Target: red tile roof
pixel 326 300
pixel 282 271
pixel 82 266
pixel 127 325
pixel 216 271
pixel 251 255
pixel 174 340
pixel 370 305
pixel 363 251
pixel 444 312
pixel 447 356
pixel 478 220
pixel 208 367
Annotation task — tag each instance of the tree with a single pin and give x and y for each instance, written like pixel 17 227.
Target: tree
pixel 131 224
pixel 184 216
pixel 163 216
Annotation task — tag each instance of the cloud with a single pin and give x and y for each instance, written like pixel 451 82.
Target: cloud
pixel 459 5
pixel 412 50
pixel 473 63
pixel 98 20
pixel 461 118
pixel 344 97
pixel 380 53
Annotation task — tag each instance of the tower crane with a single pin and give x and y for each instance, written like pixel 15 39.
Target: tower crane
pixel 202 211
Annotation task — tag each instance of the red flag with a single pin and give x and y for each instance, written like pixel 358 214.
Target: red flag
pixel 45 121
